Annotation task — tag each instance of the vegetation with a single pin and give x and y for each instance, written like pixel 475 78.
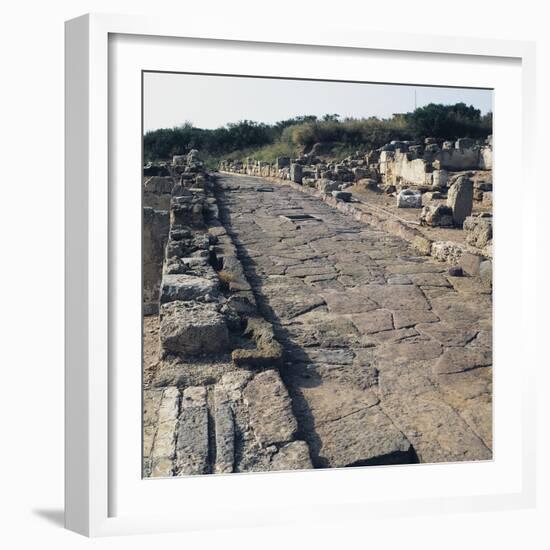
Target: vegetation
pixel 289 137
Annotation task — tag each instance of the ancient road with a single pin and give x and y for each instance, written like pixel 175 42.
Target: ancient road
pixel 388 359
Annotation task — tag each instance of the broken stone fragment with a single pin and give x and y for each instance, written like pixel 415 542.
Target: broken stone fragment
pixel 479 230
pixel 437 216
pixel 192 328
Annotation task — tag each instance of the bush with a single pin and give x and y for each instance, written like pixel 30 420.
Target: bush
pixel 291 136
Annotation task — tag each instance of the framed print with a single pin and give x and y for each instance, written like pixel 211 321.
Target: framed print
pixel 289 262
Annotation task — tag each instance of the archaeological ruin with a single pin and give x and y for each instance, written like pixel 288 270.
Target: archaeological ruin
pixel 311 313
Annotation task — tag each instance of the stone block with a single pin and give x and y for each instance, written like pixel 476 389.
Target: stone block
pixel 409 199
pixel 460 199
pixel 184 287
pixel 192 328
pixel 470 263
pixel 296 172
pixel 437 216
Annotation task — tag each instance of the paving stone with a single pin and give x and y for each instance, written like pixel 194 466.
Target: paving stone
pixel 409 318
pixel 448 333
pixel 373 321
pixel 270 409
pixel 366 437
pixel 192 441
pixel 436 431
pixel 395 297
pixel 292 456
pixel 225 432
pixel 461 359
pixel 429 279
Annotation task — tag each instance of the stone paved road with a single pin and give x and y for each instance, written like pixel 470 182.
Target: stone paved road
pixel 388 359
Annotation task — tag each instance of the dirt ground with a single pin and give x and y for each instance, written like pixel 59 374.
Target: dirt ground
pixel 150 347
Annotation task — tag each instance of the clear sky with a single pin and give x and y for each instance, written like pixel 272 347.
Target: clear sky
pixel 212 101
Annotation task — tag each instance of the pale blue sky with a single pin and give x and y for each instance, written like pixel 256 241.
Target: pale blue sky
pixel 212 101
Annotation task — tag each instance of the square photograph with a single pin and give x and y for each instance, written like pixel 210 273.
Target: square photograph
pixel 316 274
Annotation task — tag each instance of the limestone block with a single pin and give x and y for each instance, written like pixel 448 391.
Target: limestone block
pixel 440 178
pixel 186 287
pixel 192 328
pixel 479 230
pixel 460 199
pixel 437 216
pixel 327 185
pixel 409 199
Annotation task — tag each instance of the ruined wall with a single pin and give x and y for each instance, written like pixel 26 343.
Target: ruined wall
pixel 216 402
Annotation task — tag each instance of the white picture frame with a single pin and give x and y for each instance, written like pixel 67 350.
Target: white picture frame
pixel 100 51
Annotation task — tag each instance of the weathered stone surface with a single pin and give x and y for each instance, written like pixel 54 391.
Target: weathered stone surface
pixel 373 321
pixel 396 297
pixel 409 199
pixel 449 334
pixel 460 199
pixel 366 437
pixel 348 302
pixel 293 456
pixel 436 431
pixel 437 216
pixel 192 328
pixel 486 272
pixel 409 318
pixel 192 443
pixel 186 288
pixel 163 451
pixel 460 360
pixel 225 434
pixel 270 409
pixel 479 230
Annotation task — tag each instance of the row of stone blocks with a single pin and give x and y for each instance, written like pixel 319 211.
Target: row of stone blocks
pixel 244 422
